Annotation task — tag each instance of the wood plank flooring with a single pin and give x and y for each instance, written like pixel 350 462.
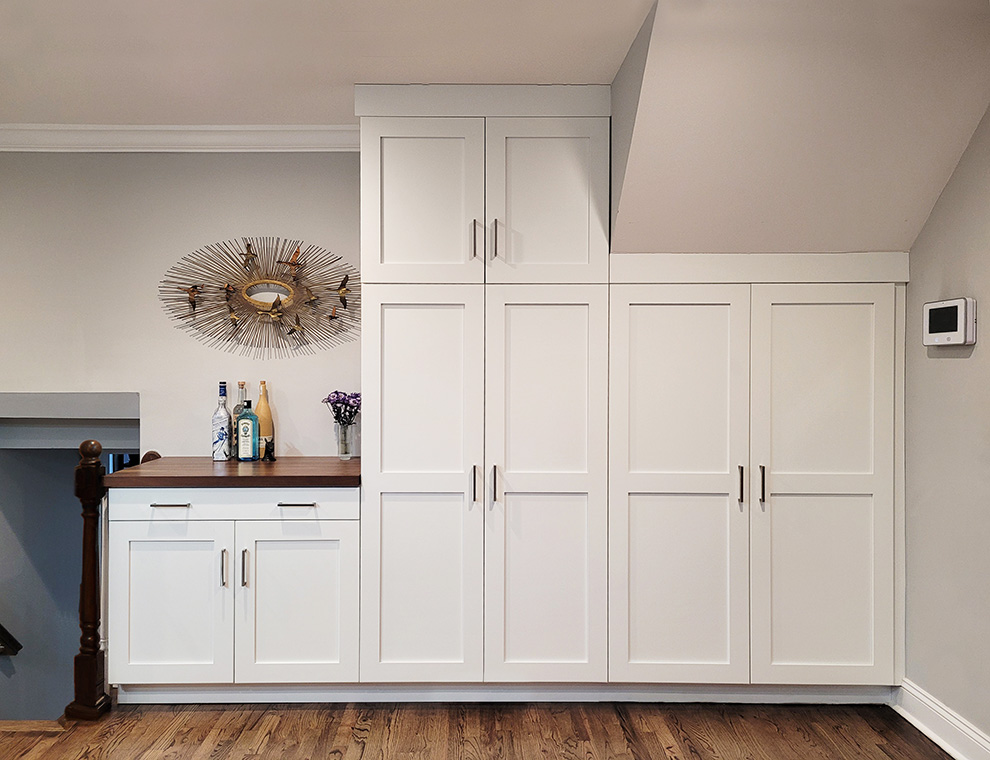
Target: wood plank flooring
pixel 597 731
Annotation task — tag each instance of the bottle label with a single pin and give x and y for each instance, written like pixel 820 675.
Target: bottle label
pixel 245 439
pixel 221 442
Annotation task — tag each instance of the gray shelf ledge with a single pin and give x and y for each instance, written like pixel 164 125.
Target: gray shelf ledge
pixel 64 420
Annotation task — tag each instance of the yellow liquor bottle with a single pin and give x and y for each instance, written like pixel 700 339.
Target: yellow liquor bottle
pixel 266 425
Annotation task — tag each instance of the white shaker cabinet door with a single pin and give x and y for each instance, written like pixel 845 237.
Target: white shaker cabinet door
pixel 678 517
pixel 822 511
pixel 422 200
pixel 547 199
pixel 297 601
pixel 171 602
pixel 546 449
pixel 422 510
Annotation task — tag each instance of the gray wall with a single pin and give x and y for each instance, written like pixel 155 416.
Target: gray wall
pixel 40 561
pixel 86 240
pixel 947 457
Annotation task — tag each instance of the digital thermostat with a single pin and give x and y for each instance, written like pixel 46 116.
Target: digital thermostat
pixel 950 323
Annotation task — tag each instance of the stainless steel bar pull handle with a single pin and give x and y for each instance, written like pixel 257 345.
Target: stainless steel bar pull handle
pixel 170 506
pixel 223 568
pixel 742 484
pixel 474 483
pixel 495 238
pixel 763 483
pixel 474 238
pixel 297 504
pixel 243 567
pixel 494 484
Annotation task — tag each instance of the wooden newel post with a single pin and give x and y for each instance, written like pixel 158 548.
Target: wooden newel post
pixel 91 699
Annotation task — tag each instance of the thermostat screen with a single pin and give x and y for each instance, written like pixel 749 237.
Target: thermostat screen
pixel 944 319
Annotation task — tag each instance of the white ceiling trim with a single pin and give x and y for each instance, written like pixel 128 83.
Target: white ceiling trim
pixel 94 138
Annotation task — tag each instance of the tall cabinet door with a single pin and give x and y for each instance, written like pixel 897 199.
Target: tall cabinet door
pixel 171 602
pixel 822 514
pixel 546 436
pixel 547 199
pixel 422 510
pixel 678 516
pixel 296 601
pixel 422 200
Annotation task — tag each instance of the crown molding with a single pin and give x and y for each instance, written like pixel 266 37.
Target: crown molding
pixel 99 138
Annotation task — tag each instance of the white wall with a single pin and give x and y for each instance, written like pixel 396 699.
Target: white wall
pixel 86 239
pixel 947 457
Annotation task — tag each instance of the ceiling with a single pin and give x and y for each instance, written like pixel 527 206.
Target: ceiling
pixel 790 126
pixel 738 125
pixel 286 62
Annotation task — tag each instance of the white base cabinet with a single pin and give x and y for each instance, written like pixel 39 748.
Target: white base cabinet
pixel 197 600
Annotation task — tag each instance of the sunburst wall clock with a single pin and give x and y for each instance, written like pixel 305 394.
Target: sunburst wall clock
pixel 266 297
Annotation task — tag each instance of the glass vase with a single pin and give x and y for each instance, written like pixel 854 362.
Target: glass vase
pixel 345 440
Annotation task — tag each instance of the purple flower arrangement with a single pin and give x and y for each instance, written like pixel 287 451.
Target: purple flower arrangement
pixel 343 406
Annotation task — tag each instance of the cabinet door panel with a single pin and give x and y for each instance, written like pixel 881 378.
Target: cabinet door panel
pixel 170 617
pixel 678 524
pixel 546 578
pixel 297 602
pixel 547 195
pixel 424 596
pixel 422 508
pixel 422 200
pixel 821 550
pixel 679 550
pixel 545 548
pixel 822 542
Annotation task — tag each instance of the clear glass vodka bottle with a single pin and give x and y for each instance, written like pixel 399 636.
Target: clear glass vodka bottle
pixel 222 427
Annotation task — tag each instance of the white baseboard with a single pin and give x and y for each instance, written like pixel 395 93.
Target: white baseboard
pixel 206 693
pixel 945 727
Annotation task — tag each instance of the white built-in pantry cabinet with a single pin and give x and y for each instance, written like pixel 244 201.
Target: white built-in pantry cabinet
pixel 745 428
pixel 485 368
pixel 751 486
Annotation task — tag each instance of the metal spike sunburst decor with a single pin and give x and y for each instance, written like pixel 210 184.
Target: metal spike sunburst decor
pixel 265 297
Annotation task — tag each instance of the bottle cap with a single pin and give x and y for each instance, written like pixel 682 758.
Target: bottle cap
pixel 247 403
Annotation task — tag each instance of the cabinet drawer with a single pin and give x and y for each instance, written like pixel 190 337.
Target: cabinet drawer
pixel 234 503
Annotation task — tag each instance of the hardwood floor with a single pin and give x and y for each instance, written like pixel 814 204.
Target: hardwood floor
pixel 597 731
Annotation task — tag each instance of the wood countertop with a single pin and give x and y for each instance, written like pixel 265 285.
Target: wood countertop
pixel 203 472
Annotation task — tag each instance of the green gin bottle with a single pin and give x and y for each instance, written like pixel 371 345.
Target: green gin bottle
pixel 247 434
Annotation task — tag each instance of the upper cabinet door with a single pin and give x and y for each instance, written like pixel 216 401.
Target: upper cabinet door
pixel 822 514
pixel 547 200
pixel 422 200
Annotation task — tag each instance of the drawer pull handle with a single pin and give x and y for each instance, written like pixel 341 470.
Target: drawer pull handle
pixel 223 568
pixel 742 483
pixel 763 483
pixel 171 506
pixel 311 504
pixel 243 567
pixel 495 239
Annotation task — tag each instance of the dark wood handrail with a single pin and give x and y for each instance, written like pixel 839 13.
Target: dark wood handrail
pixel 91 699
